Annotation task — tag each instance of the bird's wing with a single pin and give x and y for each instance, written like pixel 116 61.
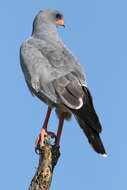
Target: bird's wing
pixel 69 91
pixel 51 73
pixel 68 84
pixel 38 72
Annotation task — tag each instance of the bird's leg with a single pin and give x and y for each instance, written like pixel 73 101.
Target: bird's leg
pixel 45 125
pixel 43 133
pixel 60 127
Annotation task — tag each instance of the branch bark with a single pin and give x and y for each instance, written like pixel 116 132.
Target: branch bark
pixel 48 157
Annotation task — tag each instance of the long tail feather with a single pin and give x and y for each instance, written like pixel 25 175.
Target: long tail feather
pixel 93 137
pixel 89 122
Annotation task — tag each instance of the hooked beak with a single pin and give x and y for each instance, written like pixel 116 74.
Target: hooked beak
pixel 60 22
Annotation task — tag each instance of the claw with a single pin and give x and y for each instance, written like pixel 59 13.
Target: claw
pixel 51 134
pixel 37 148
pixel 40 141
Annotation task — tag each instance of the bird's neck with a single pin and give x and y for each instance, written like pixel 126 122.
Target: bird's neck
pixel 47 32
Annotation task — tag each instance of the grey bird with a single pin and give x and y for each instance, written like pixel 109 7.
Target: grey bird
pixel 55 76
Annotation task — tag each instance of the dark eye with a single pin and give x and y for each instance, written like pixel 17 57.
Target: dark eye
pixel 58 16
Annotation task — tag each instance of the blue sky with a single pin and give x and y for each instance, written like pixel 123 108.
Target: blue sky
pixel 97 33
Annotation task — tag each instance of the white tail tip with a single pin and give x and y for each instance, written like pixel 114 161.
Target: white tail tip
pixel 104 155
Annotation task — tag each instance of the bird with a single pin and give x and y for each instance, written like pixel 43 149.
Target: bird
pixel 54 75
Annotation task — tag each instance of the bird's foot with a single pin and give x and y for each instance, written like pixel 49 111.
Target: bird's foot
pixel 41 139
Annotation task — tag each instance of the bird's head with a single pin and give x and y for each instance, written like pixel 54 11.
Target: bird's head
pixel 50 17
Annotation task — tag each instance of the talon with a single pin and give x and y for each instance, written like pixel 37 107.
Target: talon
pixel 40 141
pixel 37 148
pixel 51 134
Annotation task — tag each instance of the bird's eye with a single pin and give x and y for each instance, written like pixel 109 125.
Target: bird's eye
pixel 58 16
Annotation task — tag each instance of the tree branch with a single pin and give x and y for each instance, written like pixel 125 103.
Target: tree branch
pixel 48 157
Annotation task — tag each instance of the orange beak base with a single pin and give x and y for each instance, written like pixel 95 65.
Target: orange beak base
pixel 60 22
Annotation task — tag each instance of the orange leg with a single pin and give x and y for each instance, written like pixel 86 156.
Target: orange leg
pixel 60 128
pixel 45 125
pixel 43 132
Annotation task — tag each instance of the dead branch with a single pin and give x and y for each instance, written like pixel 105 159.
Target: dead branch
pixel 48 157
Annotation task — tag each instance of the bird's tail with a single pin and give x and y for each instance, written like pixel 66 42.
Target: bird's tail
pixel 89 122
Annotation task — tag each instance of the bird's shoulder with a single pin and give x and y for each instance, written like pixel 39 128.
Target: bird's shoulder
pixel 58 55
pixel 30 44
pixel 59 60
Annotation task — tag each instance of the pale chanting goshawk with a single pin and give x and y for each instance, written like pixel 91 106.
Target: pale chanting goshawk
pixel 55 76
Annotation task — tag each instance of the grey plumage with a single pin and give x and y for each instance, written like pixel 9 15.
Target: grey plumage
pixel 52 72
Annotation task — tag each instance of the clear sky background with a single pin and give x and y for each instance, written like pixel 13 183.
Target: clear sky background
pixel 97 33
